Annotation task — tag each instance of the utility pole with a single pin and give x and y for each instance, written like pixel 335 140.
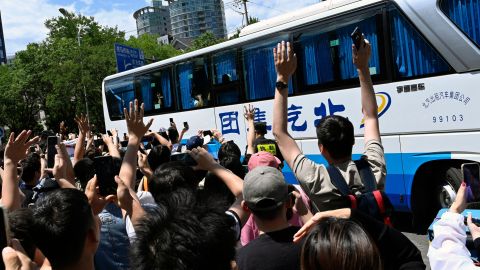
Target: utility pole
pixel 246 12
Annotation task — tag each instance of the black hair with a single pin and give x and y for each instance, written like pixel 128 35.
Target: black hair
pixel 213 186
pixel 169 177
pixel 268 215
pixel 229 149
pixel 195 238
pixel 260 128
pixel 157 156
pixel 173 135
pixel 84 170
pixel 30 166
pixel 339 244
pixel 62 220
pixel 21 226
pixel 335 133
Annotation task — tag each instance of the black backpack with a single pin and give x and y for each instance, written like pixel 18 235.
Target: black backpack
pixel 371 201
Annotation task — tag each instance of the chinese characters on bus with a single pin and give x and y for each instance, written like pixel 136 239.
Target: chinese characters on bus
pixel 297 123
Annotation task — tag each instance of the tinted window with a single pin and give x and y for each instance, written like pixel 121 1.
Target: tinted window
pixel 466 15
pixel 226 80
pixel 412 55
pixel 193 84
pixel 259 70
pixel 118 94
pixel 325 56
pixel 155 89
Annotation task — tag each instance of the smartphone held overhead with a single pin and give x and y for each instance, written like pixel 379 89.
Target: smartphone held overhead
pixel 105 169
pixel 357 37
pixel 471 176
pixel 52 141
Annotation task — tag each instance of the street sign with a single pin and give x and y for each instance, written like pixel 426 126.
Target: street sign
pixel 128 57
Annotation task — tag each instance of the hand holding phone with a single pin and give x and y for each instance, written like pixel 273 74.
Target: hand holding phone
pixel 185 125
pixel 105 171
pixel 357 37
pixel 471 176
pixel 52 141
pixel 184 157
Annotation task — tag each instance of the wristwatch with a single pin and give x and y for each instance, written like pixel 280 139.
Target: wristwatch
pixel 281 85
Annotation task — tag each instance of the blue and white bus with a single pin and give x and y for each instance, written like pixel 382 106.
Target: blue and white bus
pixel 425 67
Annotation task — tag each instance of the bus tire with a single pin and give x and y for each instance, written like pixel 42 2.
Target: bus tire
pixel 449 184
pixel 435 187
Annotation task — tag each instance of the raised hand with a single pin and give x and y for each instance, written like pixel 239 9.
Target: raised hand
pixel 460 203
pixel 474 229
pixel 362 56
pixel 96 201
pixel 307 227
pixel 107 140
pixel 249 113
pixel 285 61
pixel 83 127
pixel 15 258
pixel 134 119
pixel 204 160
pixel 17 148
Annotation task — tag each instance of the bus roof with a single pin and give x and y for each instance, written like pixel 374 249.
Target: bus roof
pixel 269 27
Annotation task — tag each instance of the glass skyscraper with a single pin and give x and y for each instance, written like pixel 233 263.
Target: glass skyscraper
pixel 191 18
pixel 153 20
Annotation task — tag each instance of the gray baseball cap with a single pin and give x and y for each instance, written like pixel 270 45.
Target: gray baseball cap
pixel 264 189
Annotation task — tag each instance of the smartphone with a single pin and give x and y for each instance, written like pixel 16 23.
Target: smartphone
pixel 109 133
pixel 105 170
pixel 124 143
pixel 51 151
pixel 147 139
pixel 98 142
pixel 185 125
pixel 4 232
pixel 171 120
pixel 471 172
pixel 184 157
pixel 207 133
pixel 357 37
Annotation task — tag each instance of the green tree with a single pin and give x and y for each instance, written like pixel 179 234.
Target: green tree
pixel 204 40
pixel 150 47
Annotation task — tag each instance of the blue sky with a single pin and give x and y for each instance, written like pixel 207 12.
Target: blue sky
pixel 23 20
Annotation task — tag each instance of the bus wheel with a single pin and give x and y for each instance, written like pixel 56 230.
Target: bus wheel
pixel 450 182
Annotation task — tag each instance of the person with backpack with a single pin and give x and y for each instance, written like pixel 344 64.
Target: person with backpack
pixel 335 139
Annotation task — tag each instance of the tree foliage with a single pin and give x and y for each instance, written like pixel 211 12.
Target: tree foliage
pixel 204 40
pixel 52 75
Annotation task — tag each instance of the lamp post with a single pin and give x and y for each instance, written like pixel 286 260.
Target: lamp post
pixel 80 29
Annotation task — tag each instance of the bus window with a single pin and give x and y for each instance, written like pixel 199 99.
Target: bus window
pixel 325 56
pixel 259 70
pixel 155 91
pixel 412 55
pixel 226 81
pixel 119 93
pixel 193 84
pixel 465 14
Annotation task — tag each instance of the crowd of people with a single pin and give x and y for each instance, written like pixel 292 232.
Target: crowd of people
pixel 177 206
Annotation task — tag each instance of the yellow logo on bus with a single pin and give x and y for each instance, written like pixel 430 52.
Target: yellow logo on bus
pixel 383 107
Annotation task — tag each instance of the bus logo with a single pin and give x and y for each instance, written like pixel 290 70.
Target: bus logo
pixel 383 107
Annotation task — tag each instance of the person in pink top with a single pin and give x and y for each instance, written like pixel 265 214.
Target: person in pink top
pixel 296 216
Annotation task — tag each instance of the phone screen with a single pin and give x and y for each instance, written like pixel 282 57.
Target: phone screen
pixel 51 151
pixel 184 157
pixel 357 37
pixel 471 172
pixel 185 125
pixel 98 142
pixel 105 170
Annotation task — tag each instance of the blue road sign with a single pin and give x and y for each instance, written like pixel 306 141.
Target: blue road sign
pixel 128 57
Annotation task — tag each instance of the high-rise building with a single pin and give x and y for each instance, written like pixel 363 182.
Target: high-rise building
pixel 153 19
pixel 191 18
pixel 3 52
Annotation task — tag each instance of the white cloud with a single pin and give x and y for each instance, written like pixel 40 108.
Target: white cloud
pixel 123 19
pixel 24 21
pixel 262 10
pixel 87 2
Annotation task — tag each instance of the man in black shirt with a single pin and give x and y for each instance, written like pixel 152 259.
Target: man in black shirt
pixel 266 196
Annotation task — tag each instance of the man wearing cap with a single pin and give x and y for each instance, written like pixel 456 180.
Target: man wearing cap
pixel 265 195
